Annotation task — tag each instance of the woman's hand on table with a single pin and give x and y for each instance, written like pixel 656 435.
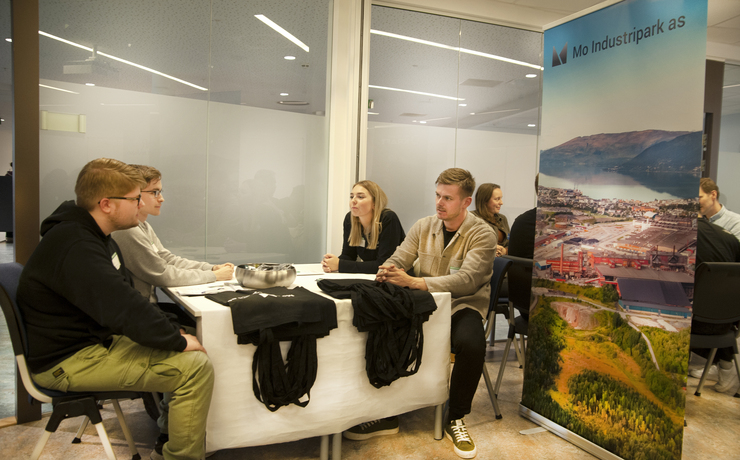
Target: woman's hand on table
pixel 193 344
pixel 224 272
pixel 330 263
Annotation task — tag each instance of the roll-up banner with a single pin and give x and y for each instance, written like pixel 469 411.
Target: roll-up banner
pixel 620 163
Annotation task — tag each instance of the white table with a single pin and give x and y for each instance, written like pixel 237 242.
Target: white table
pixel 341 397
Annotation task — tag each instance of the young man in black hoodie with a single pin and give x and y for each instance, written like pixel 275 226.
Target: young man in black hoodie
pixel 90 329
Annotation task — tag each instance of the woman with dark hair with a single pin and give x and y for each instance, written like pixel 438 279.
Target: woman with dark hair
pixel 371 232
pixel 488 201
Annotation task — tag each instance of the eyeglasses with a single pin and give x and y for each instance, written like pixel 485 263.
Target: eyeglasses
pixel 131 198
pixel 156 193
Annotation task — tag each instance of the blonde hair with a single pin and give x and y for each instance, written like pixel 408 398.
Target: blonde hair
pixel 149 173
pixel 460 177
pixel 380 201
pixel 105 177
pixel 482 197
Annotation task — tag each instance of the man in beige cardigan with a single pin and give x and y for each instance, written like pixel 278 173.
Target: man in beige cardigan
pixel 455 252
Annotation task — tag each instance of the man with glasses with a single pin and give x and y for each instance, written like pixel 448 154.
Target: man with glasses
pixel 151 265
pixel 89 329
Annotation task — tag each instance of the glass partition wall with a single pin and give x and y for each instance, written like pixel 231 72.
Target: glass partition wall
pixel 227 98
pixel 729 140
pixel 444 93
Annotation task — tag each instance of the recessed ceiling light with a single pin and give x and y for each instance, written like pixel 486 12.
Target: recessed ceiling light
pixel 293 102
pixel 289 58
pixel 413 121
pixel 284 94
pixel 455 48
pixel 531 75
pixel 8 39
pixel 57 89
pixel 416 92
pixel 531 125
pixel 473 113
pixel 463 105
pixel 89 84
pixel 373 113
pixel 281 31
pixel 423 122
pixel 109 56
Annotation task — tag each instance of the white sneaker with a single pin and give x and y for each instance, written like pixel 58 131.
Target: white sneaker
pixel 727 379
pixel 711 375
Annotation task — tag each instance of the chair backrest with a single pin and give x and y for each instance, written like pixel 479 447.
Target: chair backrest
pixel 10 274
pixel 717 292
pixel 520 282
pixel 500 267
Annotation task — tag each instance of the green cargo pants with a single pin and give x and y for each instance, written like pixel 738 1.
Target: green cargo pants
pixel 128 366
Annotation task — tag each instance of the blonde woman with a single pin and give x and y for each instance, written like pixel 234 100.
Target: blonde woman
pixel 488 201
pixel 371 232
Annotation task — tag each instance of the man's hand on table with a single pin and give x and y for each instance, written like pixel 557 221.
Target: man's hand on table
pixel 398 276
pixel 193 344
pixel 224 272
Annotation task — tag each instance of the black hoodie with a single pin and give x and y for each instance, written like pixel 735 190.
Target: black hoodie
pixel 75 292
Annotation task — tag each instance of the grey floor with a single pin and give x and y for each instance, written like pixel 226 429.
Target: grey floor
pixel 713 421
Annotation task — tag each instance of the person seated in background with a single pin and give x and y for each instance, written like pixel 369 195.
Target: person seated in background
pixel 715 244
pixel 371 232
pixel 455 251
pixel 150 264
pixel 488 201
pixel 89 329
pixel 521 238
pixel 716 212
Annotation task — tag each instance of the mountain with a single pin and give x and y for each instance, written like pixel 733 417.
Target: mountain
pixel 682 154
pixel 605 150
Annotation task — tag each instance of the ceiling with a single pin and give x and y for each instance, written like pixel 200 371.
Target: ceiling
pixel 221 46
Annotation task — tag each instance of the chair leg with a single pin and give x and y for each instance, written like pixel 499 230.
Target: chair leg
pixel 438 413
pixel 40 445
pixel 502 367
pixel 706 371
pixel 126 432
pixel 105 441
pixel 491 393
pixel 324 450
pixel 519 354
pixel 81 430
pixel 336 447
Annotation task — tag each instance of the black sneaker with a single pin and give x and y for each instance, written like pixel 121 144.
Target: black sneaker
pixel 456 432
pixel 373 428
pixel 158 445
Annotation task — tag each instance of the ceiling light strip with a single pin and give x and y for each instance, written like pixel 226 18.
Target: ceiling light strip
pixel 57 89
pixel 416 92
pixel 281 31
pixel 455 48
pixel 110 56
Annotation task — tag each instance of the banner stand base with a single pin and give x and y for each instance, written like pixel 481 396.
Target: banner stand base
pixel 568 435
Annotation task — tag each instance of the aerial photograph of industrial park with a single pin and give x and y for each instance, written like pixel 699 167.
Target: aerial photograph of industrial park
pixel 612 288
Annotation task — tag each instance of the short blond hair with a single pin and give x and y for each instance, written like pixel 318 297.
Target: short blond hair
pixel 708 186
pixel 460 177
pixel 105 177
pixel 150 173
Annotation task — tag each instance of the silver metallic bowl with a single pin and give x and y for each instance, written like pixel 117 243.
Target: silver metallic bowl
pixel 263 276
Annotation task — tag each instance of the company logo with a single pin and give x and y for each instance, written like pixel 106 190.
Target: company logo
pixel 561 58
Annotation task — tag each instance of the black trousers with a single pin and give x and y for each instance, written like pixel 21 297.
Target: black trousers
pixel 698 327
pixel 468 342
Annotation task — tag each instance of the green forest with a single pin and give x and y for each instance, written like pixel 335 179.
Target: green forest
pixel 599 407
pixel 671 348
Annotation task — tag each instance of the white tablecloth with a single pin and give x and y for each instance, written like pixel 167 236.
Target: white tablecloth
pixel 341 397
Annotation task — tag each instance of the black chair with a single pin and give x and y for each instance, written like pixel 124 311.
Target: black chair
pixel 520 289
pixel 66 405
pixel 716 301
pixel 500 267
